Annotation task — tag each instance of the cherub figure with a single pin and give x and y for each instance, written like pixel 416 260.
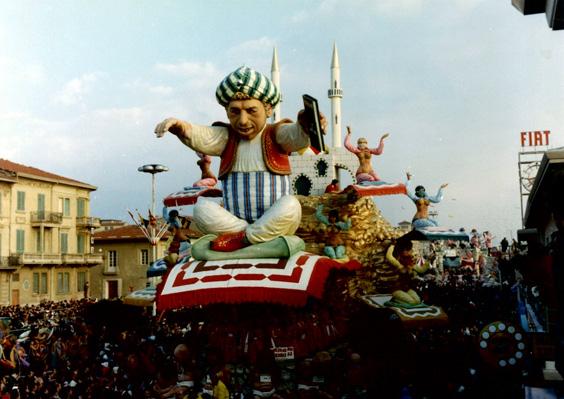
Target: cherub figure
pixel 365 172
pixel 207 178
pixel 334 244
pixel 180 241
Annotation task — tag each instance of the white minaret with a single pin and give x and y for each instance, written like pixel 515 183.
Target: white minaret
pixel 275 76
pixel 335 94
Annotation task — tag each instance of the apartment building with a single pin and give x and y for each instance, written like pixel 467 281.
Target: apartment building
pixel 127 255
pixel 45 235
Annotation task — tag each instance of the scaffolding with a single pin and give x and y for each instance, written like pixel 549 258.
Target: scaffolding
pixel 529 162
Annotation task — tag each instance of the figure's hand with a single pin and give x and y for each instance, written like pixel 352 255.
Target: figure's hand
pixel 349 130
pixel 408 175
pixel 385 136
pixel 302 120
pixel 323 122
pixel 175 126
pixel 444 185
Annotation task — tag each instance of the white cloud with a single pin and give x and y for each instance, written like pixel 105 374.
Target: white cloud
pixel 13 115
pixel 467 5
pixel 13 72
pixel 24 136
pixel 161 90
pixel 118 113
pixel 74 91
pixel 355 8
pixel 33 73
pixel 394 8
pixel 255 53
pixel 190 70
pixel 144 87
pixel 299 17
pixel 251 47
pixel 195 75
pixel 329 6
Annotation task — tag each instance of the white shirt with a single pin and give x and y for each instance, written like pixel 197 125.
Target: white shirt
pixel 211 140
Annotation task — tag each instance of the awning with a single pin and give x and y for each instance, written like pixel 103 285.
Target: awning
pixel 144 297
pixel 435 234
pixel 190 195
pixel 285 281
pixel 376 188
pixel 416 316
pixel 157 268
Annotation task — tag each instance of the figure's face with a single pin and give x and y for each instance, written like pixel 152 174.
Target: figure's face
pixel 247 117
pixel 362 143
pixel 420 193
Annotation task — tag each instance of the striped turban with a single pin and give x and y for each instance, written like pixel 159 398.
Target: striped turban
pixel 249 82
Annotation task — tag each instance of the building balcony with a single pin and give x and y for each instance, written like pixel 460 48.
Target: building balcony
pixel 46 219
pixel 53 259
pixel 335 92
pixel 87 222
pixel 5 264
pixel 34 259
pixel 94 259
pixel 82 259
pixel 110 271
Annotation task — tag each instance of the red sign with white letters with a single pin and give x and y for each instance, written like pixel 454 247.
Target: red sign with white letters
pixel 535 139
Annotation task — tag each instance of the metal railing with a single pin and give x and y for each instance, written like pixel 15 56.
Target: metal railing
pixel 110 270
pixel 94 259
pixel 82 258
pixel 87 221
pixel 34 259
pixel 46 217
pixel 51 259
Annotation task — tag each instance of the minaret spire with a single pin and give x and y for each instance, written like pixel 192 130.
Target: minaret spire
pixel 335 94
pixel 275 76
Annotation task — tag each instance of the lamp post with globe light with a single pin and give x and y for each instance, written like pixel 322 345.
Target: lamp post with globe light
pixel 153 169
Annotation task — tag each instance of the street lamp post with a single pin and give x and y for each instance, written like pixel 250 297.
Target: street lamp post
pixel 153 169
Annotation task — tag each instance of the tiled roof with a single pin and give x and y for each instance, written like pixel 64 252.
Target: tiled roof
pixel 31 172
pixel 130 232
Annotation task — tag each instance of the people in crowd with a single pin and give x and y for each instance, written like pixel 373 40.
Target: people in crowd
pixel 81 349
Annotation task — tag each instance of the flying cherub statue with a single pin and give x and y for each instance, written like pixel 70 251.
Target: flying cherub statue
pixel 207 178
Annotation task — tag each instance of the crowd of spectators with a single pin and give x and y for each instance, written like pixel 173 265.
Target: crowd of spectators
pixel 105 349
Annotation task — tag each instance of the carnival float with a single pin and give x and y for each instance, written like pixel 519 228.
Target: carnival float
pixel 278 266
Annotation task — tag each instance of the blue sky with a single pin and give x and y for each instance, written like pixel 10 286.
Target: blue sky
pixel 82 85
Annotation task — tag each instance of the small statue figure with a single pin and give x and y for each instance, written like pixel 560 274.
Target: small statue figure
pixel 207 178
pixel 334 245
pixel 422 201
pixel 400 256
pixel 333 187
pixel 180 242
pixel 365 172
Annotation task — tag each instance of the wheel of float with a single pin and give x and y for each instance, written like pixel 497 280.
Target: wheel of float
pixel 502 345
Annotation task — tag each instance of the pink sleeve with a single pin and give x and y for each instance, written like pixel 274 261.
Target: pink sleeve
pixel 379 150
pixel 349 146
